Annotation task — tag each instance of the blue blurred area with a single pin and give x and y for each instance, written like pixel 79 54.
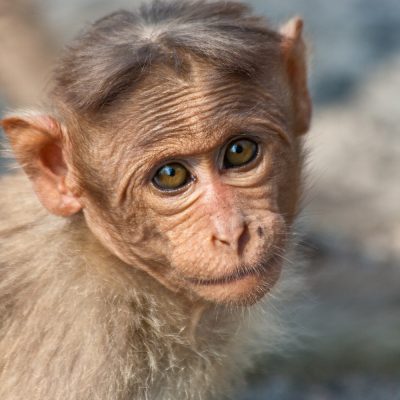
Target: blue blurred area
pixel 348 39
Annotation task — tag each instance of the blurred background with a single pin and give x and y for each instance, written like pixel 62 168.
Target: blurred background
pixel 350 224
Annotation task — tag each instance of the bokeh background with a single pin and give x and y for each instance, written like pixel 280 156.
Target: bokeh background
pixel 350 224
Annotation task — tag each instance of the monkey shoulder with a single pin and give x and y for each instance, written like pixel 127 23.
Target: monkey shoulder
pixel 69 307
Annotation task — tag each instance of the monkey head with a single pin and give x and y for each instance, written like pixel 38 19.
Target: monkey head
pixel 184 158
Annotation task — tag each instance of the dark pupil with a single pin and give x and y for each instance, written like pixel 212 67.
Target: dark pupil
pixel 237 148
pixel 170 171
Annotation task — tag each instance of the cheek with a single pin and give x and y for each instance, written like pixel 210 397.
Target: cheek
pixel 134 237
pixel 191 245
pixel 288 183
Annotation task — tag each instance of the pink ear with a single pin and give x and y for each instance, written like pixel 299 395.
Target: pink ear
pixel 294 49
pixel 37 144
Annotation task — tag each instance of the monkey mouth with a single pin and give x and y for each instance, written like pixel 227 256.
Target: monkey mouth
pixel 241 272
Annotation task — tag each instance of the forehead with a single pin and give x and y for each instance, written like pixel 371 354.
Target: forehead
pixel 196 112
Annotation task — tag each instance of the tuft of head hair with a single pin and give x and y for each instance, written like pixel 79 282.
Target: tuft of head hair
pixel 117 51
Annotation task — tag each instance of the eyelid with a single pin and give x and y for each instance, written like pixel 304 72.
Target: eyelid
pixel 249 136
pixel 167 161
pixel 173 192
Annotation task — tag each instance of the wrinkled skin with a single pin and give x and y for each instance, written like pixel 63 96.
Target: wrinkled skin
pixel 219 238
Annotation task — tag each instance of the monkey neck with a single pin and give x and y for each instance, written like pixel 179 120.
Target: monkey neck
pixel 114 276
pixel 70 305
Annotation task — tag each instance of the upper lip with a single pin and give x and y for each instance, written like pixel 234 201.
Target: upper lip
pixel 240 273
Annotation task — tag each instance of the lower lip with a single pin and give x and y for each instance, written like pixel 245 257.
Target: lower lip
pixel 221 281
pixel 230 278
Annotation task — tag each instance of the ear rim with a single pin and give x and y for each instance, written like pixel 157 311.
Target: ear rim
pixel 29 133
pixel 292 30
pixel 294 55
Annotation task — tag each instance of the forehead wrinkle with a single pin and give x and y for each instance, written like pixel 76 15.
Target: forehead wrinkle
pixel 177 112
pixel 197 117
pixel 186 100
pixel 184 140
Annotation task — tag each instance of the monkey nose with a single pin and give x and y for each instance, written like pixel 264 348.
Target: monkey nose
pixel 230 233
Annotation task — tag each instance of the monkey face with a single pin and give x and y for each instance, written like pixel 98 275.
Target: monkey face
pixel 205 199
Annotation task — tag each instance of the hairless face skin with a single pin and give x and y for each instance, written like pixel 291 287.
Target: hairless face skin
pixel 196 178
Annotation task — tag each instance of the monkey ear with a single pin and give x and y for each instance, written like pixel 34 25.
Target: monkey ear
pixel 294 53
pixel 37 144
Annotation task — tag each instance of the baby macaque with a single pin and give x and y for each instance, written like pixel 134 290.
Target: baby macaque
pixel 166 169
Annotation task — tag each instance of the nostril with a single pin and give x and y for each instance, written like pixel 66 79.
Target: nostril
pixel 243 239
pixel 222 240
pixel 260 232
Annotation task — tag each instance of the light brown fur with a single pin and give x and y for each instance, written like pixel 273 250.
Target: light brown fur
pixel 141 292
pixel 76 323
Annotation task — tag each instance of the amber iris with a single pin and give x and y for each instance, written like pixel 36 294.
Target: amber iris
pixel 240 152
pixel 171 177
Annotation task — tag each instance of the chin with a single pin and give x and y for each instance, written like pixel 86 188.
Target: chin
pixel 241 290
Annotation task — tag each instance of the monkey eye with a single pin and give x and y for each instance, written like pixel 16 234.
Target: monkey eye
pixel 171 177
pixel 240 152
